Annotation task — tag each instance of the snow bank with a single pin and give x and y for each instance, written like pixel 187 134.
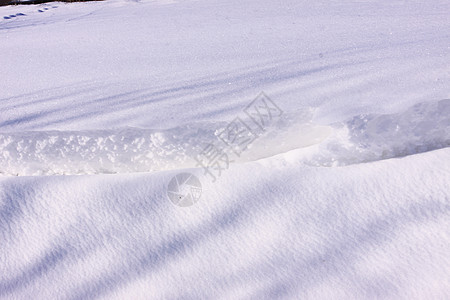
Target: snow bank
pixel 361 231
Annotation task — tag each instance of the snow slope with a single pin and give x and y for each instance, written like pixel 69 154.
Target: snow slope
pixel 345 196
pixel 376 230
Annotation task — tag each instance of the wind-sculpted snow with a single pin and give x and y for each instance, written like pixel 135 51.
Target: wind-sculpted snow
pixel 104 151
pixel 141 150
pixel 363 138
pixel 313 209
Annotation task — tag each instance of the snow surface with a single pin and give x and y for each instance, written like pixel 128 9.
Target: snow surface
pixel 345 196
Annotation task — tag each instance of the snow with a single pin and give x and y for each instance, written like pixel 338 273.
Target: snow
pixel 344 195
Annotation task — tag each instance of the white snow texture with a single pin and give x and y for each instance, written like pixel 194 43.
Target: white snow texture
pixel 344 195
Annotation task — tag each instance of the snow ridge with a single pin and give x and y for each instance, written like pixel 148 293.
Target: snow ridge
pixel 362 138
